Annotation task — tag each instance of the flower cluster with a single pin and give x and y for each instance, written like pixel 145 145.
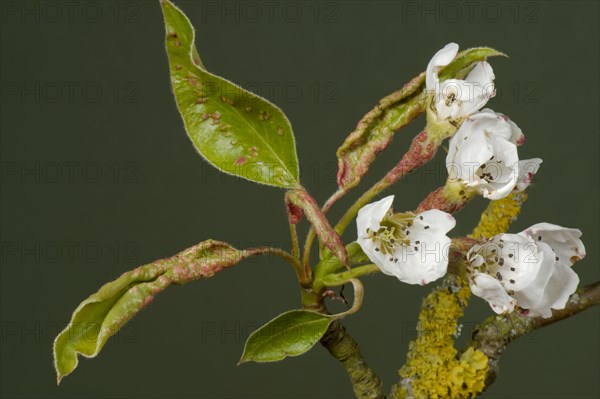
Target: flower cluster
pixel 482 155
pixel 530 270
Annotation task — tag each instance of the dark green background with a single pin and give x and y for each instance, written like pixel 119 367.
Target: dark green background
pixel 167 198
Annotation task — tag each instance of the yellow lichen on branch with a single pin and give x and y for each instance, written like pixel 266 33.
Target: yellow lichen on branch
pixel 499 215
pixel 434 368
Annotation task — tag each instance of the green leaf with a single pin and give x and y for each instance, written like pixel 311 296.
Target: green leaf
pixel 465 61
pixel 102 314
pixel 376 129
pixel 235 130
pixel 289 334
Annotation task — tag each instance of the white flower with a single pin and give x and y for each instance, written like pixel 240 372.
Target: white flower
pixel 483 154
pixel 454 98
pixel 412 247
pixel 531 269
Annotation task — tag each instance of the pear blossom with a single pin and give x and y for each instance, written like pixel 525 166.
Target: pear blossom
pixel 531 270
pixel 455 98
pixel 483 155
pixel 412 247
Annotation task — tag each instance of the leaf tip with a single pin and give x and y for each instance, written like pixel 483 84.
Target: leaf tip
pixel 342 254
pixel 496 53
pixel 243 359
pixel 59 374
pixel 55 353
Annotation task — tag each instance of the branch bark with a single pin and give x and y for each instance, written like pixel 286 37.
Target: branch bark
pixel 495 333
pixel 365 383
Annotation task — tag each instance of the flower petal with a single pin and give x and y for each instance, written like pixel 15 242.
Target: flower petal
pixel 560 287
pixel 527 169
pixel 516 135
pixel 520 270
pixel 490 289
pixel 437 222
pixel 424 262
pixel 457 99
pixel 468 149
pixel 513 259
pixel 529 297
pixel 482 75
pixel 503 169
pixel 494 123
pixel 370 215
pixel 441 58
pixel 375 255
pixel 426 258
pixel 379 258
pixel 564 241
pixel 475 91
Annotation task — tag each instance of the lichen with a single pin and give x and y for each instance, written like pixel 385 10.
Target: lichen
pixel 499 215
pixel 434 368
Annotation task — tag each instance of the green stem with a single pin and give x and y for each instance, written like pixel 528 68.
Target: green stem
pixel 310 236
pixel 359 292
pixel 305 281
pixel 333 280
pixel 330 264
pixel 364 199
pixel 421 151
pixel 365 383
pixel 333 199
pixel 301 200
pixel 294 238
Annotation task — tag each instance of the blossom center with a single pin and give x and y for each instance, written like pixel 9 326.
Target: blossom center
pixel 490 170
pixel 498 262
pixel 394 231
pixel 451 98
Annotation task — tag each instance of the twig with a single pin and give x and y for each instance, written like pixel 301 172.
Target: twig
pixel 365 383
pixel 495 333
